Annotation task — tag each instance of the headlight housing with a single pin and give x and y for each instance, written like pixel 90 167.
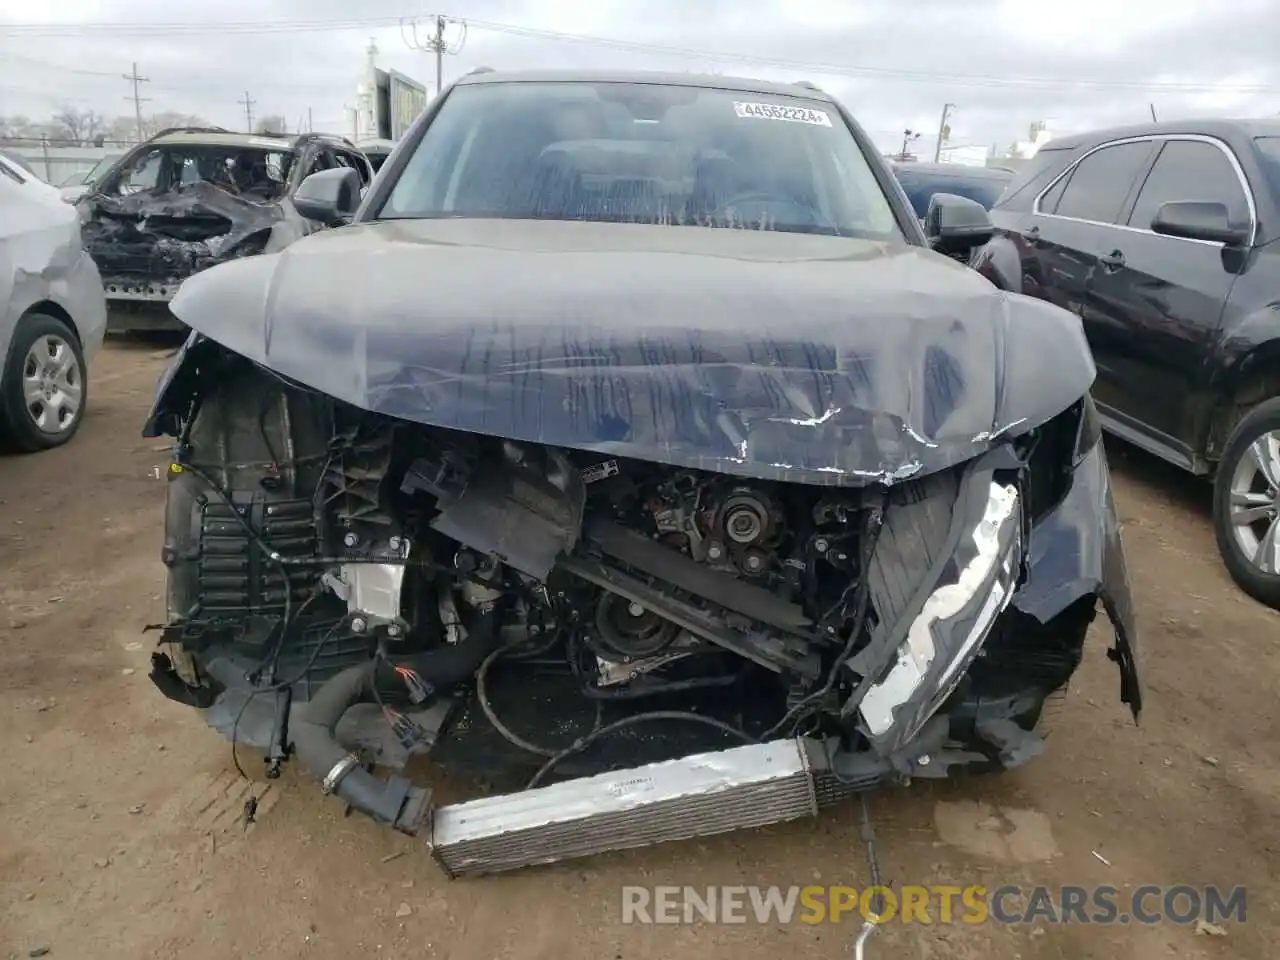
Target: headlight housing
pixel 951 626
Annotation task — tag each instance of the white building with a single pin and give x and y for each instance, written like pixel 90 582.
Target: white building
pixel 970 156
pixel 1039 135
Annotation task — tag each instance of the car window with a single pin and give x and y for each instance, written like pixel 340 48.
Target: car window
pixel 1269 155
pixel 1190 170
pixel 320 160
pixel 100 168
pixel 1049 202
pixel 643 153
pixel 1033 176
pixel 1101 182
pixel 143 174
pixel 346 160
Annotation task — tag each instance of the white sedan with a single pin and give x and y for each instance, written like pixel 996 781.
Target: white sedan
pixel 53 314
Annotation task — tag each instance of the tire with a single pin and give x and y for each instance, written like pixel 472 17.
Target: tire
pixel 57 382
pixel 1249 487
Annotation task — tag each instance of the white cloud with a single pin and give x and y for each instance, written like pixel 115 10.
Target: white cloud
pixel 894 62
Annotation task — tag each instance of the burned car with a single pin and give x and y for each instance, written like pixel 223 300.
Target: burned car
pixel 192 197
pixel 630 443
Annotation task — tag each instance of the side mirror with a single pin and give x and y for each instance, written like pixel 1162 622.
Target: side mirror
pixel 329 196
pixel 955 224
pixel 1199 220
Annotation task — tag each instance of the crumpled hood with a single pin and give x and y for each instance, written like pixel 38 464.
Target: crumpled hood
pixel 764 354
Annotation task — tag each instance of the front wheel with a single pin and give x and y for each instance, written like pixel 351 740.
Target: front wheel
pixel 42 386
pixel 1246 504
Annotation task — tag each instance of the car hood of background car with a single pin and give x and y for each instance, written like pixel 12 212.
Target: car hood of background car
pixel 773 355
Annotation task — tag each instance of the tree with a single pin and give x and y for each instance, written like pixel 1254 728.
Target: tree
pixel 122 130
pixel 272 124
pixel 78 127
pixel 22 131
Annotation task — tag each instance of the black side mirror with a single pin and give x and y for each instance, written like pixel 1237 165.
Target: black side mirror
pixel 955 224
pixel 329 196
pixel 1199 220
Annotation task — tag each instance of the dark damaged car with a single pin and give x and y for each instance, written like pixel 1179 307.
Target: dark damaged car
pixel 190 198
pixel 629 440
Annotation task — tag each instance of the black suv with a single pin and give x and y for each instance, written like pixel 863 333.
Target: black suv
pixel 1162 238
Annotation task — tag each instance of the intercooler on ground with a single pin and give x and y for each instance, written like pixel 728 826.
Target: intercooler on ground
pixel 694 796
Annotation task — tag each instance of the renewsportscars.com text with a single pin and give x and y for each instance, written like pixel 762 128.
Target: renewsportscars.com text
pixel 935 904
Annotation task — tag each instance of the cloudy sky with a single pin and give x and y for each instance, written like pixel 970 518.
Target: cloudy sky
pixel 1003 63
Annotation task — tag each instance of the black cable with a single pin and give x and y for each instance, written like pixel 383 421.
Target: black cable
pixel 582 743
pixel 482 694
pixel 276 686
pixel 870 535
pixel 483 698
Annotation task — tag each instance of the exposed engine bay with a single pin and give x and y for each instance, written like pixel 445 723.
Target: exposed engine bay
pixel 354 590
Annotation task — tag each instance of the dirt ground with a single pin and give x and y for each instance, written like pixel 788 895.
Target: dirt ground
pixel 119 832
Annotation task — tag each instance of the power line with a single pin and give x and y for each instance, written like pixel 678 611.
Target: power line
pixel 137 100
pixel 189 87
pixel 4 57
pixel 247 103
pixel 262 27
pixel 437 44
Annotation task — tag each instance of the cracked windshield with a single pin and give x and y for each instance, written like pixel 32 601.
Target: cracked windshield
pixel 639 480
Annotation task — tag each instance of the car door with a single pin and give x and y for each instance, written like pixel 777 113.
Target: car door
pixel 1076 220
pixel 344 158
pixel 1154 301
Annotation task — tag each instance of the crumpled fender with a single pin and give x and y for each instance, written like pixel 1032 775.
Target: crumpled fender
pixel 1076 551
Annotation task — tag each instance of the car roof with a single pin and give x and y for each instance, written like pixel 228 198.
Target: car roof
pixel 660 77
pixel 1224 129
pixel 267 141
pixel 958 170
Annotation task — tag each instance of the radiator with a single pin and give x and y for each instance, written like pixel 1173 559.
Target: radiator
pixel 694 796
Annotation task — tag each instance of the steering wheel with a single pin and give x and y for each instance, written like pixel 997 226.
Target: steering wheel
pixel 764 200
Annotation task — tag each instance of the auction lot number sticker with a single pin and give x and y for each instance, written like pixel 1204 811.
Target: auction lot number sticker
pixel 772 111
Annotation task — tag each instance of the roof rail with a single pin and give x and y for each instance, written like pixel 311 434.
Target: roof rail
pixel 168 130
pixel 474 70
pixel 315 135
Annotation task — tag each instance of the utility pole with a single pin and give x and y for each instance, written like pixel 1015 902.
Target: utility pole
pixel 247 103
pixel 1153 113
pixel 310 126
pixel 944 131
pixel 137 100
pixel 437 43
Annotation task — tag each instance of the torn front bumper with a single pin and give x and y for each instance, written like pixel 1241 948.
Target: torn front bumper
pixel 1076 552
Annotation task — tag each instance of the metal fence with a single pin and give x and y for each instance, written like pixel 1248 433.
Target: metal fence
pixel 56 162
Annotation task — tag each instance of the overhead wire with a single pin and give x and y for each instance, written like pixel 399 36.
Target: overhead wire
pixel 906 75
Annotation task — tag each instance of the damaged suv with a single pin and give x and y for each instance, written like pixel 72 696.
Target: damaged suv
pixel 629 438
pixel 191 197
